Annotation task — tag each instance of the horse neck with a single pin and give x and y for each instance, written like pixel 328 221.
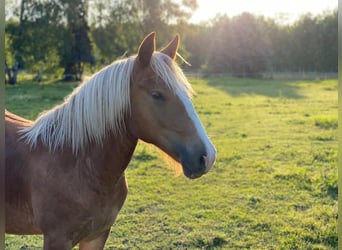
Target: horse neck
pixel 106 162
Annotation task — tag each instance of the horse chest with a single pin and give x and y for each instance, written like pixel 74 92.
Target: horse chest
pixel 100 215
pixel 94 224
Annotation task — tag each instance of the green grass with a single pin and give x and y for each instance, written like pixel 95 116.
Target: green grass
pixel 274 185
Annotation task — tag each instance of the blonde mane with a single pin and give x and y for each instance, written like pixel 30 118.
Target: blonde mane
pixel 98 106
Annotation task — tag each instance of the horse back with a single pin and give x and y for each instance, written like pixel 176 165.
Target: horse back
pixel 10 117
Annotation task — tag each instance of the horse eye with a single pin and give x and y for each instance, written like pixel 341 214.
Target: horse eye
pixel 157 96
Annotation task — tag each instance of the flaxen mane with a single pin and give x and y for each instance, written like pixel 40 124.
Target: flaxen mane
pixel 98 106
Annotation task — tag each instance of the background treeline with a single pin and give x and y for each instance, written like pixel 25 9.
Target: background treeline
pixel 66 37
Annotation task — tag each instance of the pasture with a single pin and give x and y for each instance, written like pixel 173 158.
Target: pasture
pixel 274 185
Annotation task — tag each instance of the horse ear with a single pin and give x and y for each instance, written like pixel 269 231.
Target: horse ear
pixel 171 48
pixel 146 49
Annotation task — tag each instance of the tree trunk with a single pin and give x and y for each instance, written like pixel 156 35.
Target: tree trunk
pixel 73 72
pixel 69 74
pixel 11 73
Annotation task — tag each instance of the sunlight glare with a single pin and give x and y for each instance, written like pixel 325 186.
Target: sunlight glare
pixel 290 9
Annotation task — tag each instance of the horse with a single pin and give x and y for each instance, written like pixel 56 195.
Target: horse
pixel 65 171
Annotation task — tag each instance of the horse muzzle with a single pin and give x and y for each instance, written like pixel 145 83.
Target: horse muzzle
pixel 197 162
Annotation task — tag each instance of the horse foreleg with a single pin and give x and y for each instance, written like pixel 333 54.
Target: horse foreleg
pixel 95 244
pixel 54 242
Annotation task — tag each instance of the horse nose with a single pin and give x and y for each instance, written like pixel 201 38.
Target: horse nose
pixel 202 164
pixel 205 163
pixel 198 160
pixel 203 167
pixel 202 161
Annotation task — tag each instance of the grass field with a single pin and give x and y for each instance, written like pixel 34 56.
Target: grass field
pixel 274 185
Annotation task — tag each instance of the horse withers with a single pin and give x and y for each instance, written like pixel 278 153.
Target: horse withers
pixel 65 171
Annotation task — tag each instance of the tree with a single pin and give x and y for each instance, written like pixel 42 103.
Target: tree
pixel 304 43
pixel 78 50
pixel 196 44
pixel 52 34
pixel 240 46
pixel 117 32
pixel 280 42
pixel 118 28
pixel 158 15
pixel 327 26
pixel 221 45
pixel 33 38
pixel 11 66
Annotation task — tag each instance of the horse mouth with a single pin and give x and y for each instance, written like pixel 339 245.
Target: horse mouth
pixel 195 175
pixel 194 166
pixel 192 175
pixel 194 171
pixel 195 161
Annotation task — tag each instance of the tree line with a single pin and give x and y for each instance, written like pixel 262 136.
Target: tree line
pixel 65 37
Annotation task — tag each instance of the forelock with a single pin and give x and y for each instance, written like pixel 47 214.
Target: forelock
pixel 171 74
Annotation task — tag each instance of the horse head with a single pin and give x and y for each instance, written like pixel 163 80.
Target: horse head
pixel 162 112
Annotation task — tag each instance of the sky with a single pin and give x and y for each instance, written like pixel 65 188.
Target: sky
pixel 290 10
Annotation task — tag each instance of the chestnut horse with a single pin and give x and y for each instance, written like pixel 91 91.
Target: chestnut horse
pixel 65 171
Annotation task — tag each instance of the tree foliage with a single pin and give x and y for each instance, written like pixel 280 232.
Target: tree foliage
pixel 49 35
pixel 241 47
pixel 33 39
pixel 79 50
pixel 247 45
pixel 119 25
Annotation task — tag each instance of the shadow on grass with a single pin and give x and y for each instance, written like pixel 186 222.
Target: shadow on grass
pixel 264 87
pixel 333 192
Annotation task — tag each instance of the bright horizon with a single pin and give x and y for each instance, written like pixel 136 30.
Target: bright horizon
pixel 289 10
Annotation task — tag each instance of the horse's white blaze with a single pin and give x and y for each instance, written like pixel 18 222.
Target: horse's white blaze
pixel 174 78
pixel 210 156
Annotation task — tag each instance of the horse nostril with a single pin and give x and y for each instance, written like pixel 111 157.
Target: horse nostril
pixel 202 161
